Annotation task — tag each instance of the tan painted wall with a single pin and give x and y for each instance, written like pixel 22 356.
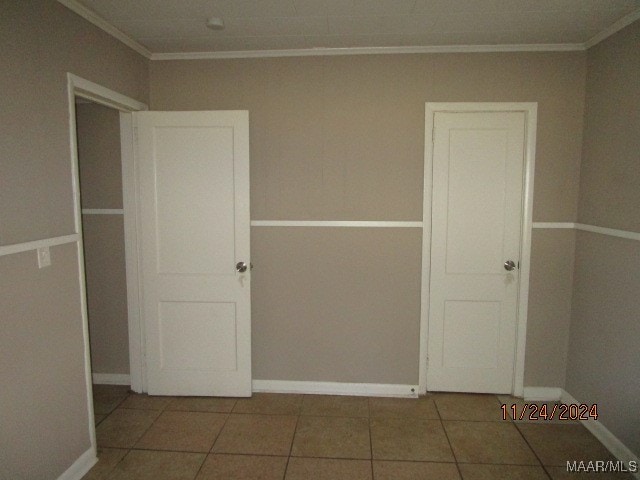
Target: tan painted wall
pixel 550 292
pixel 342 138
pixel 43 405
pixel 100 165
pixel 610 175
pixel 604 352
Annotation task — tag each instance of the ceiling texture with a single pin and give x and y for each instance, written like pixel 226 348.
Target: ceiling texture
pixel 179 26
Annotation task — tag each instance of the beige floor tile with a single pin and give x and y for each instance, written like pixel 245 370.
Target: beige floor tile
pixel 465 406
pixel 332 437
pixel 555 444
pixel 501 472
pixel 422 407
pixel 146 402
pixel 242 467
pixel 101 389
pixel 414 471
pixel 335 406
pixel 183 431
pixel 409 439
pixel 106 398
pixel 149 465
pixel 256 434
pixel 270 404
pixel 328 469
pixel 561 473
pixel 488 442
pixel 123 428
pixel 108 458
pixel 98 418
pixel 202 404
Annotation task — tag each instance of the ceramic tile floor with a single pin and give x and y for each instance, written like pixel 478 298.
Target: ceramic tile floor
pixel 309 437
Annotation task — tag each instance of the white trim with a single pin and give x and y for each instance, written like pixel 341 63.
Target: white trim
pixel 81 466
pixel 35 244
pixel 530 110
pixel 336 388
pixel 111 378
pixel 542 394
pixel 608 231
pixel 97 93
pixel 132 252
pixel 101 23
pixel 79 87
pixel 314 52
pixel 333 223
pixel 604 435
pixel 543 225
pixel 616 27
pixel 102 211
pixel 612 232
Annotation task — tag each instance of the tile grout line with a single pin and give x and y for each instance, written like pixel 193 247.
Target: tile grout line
pixel 370 436
pixel 293 438
pixel 455 459
pixel 544 468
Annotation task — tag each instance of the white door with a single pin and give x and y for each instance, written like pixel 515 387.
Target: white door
pixel 478 161
pixel 193 180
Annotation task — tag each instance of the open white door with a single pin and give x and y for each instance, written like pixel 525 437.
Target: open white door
pixel 477 204
pixel 193 180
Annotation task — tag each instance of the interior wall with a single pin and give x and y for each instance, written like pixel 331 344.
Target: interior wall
pixel 43 406
pixel 342 138
pixel 100 166
pixel 604 352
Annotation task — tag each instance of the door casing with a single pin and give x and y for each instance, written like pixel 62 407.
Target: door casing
pixel 530 111
pixel 79 87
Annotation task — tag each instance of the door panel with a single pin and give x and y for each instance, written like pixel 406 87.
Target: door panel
pixel 194 223
pixel 478 160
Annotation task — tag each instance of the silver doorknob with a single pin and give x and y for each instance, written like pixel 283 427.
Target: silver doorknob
pixel 509 265
pixel 241 267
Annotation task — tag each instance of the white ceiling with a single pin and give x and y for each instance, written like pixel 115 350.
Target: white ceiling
pixel 172 26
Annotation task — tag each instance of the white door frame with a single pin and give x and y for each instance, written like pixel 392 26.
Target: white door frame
pixel 530 111
pixel 79 87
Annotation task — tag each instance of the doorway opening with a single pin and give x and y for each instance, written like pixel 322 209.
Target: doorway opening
pixel 109 278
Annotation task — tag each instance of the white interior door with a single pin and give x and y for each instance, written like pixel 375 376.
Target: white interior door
pixel 193 178
pixel 478 160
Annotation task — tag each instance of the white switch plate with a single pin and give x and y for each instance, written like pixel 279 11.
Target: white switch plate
pixel 44 257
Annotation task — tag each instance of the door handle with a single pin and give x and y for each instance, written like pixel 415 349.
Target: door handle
pixel 509 265
pixel 241 267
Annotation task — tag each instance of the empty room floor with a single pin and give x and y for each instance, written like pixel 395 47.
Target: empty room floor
pixel 308 437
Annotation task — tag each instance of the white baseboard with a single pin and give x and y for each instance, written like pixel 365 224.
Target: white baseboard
pixel 111 378
pixel 81 466
pixel 542 394
pixel 336 388
pixel 608 439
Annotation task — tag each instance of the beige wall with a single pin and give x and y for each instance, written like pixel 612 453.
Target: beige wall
pixel 100 165
pixel 610 174
pixel 342 138
pixel 604 351
pixel 43 405
pixel 550 292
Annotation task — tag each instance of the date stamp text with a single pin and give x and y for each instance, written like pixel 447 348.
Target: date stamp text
pixel 548 412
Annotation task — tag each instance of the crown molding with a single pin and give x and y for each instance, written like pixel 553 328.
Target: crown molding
pixel 313 52
pixel 616 27
pixel 101 23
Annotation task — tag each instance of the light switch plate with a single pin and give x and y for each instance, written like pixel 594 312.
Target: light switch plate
pixel 44 257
